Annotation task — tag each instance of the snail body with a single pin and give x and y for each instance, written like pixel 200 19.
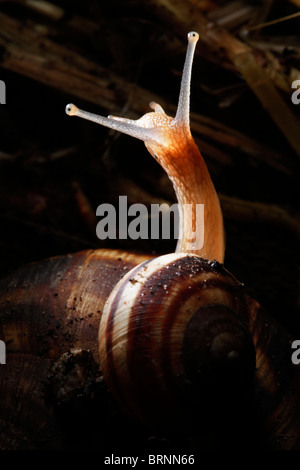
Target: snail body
pixel 181 346
pixel 170 142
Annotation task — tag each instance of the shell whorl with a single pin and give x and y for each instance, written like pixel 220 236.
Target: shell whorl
pixel 171 331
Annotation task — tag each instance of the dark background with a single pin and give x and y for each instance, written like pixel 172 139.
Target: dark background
pixel 114 57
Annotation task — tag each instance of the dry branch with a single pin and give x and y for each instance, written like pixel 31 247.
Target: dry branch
pixel 30 53
pixel 252 65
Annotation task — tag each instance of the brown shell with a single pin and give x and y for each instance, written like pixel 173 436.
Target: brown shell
pixel 49 319
pixel 49 316
pixel 175 347
pixel 56 304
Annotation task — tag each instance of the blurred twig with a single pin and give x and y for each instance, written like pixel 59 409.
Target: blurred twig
pixel 57 66
pixel 256 212
pixel 244 58
pixel 270 23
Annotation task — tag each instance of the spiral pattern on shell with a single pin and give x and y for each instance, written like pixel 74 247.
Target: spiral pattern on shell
pixel 173 339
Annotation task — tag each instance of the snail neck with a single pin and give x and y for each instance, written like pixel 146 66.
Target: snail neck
pixel 201 229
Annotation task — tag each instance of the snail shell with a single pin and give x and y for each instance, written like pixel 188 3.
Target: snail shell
pixel 172 336
pixel 56 304
pixel 50 309
pixel 41 321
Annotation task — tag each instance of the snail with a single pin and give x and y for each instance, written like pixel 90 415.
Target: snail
pixel 181 345
pixel 178 294
pixel 176 299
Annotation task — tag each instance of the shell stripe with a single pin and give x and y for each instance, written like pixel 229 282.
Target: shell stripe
pixel 149 339
pixel 163 371
pixel 120 303
pixel 108 361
